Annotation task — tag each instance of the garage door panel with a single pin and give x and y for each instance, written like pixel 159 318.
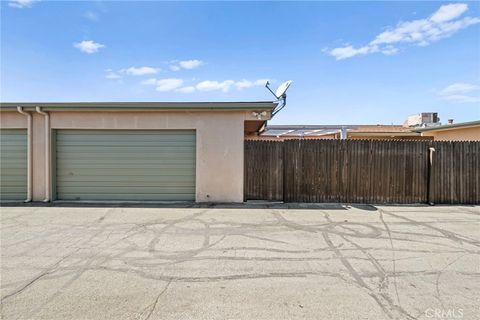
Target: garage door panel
pixel 143 136
pixel 171 173
pixel 126 178
pixel 133 156
pixel 9 151
pixel 123 197
pixel 128 189
pixel 12 181
pixel 100 143
pixel 114 162
pixel 118 184
pixel 14 147
pixel 123 149
pixel 15 173
pixel 13 164
pixel 129 133
pixel 12 138
pixel 125 165
pixel 15 189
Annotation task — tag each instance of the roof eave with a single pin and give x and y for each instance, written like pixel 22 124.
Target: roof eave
pixel 141 106
pixel 460 125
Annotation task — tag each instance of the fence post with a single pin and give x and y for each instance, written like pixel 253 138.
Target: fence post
pixel 430 186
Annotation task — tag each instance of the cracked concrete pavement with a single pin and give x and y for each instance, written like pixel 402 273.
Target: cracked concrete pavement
pixel 383 262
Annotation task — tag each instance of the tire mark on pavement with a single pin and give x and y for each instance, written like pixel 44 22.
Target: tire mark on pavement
pixel 380 211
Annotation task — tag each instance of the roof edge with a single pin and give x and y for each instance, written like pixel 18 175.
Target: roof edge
pixel 449 126
pixel 92 106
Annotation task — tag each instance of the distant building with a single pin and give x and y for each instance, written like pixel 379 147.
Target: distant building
pixel 462 131
pixel 424 119
pixel 421 126
pixel 385 132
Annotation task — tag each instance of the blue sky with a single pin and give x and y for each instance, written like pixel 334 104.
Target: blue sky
pixel 351 62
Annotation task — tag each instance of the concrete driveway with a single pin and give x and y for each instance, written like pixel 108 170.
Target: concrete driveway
pixel 240 263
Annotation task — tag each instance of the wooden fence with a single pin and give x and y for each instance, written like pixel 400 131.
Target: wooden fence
pixel 264 170
pixel 362 171
pixel 456 173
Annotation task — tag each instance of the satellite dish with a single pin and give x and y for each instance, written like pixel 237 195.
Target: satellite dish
pixel 280 94
pixel 283 88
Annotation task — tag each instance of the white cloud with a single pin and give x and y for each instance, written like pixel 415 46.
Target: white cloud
pixel 140 71
pixel 164 85
pixel 242 84
pixel 460 92
pixel 459 88
pixel 390 50
pixel 349 51
pixel 190 64
pixel 185 64
pixel 188 89
pixel 149 82
pixel 443 23
pixel 449 12
pixel 112 75
pixel 88 46
pixel 21 3
pixel 209 85
pixel 92 16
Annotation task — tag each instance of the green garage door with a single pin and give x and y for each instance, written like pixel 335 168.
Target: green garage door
pixel 125 165
pixel 13 164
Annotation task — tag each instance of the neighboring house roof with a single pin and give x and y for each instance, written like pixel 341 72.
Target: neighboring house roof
pixel 98 106
pixel 380 128
pixel 449 126
pixel 301 130
pixel 319 130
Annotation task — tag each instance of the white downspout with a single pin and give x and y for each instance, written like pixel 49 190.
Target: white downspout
pixel 29 153
pixel 47 153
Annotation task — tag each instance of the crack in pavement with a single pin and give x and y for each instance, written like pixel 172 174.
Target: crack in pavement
pixel 154 304
pixel 49 270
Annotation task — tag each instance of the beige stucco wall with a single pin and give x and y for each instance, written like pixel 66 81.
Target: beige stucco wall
pixel 455 134
pixel 220 136
pixel 12 120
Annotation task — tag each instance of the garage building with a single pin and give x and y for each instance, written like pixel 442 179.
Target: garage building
pixel 126 151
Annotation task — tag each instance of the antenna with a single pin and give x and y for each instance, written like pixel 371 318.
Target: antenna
pixel 267 86
pixel 280 94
